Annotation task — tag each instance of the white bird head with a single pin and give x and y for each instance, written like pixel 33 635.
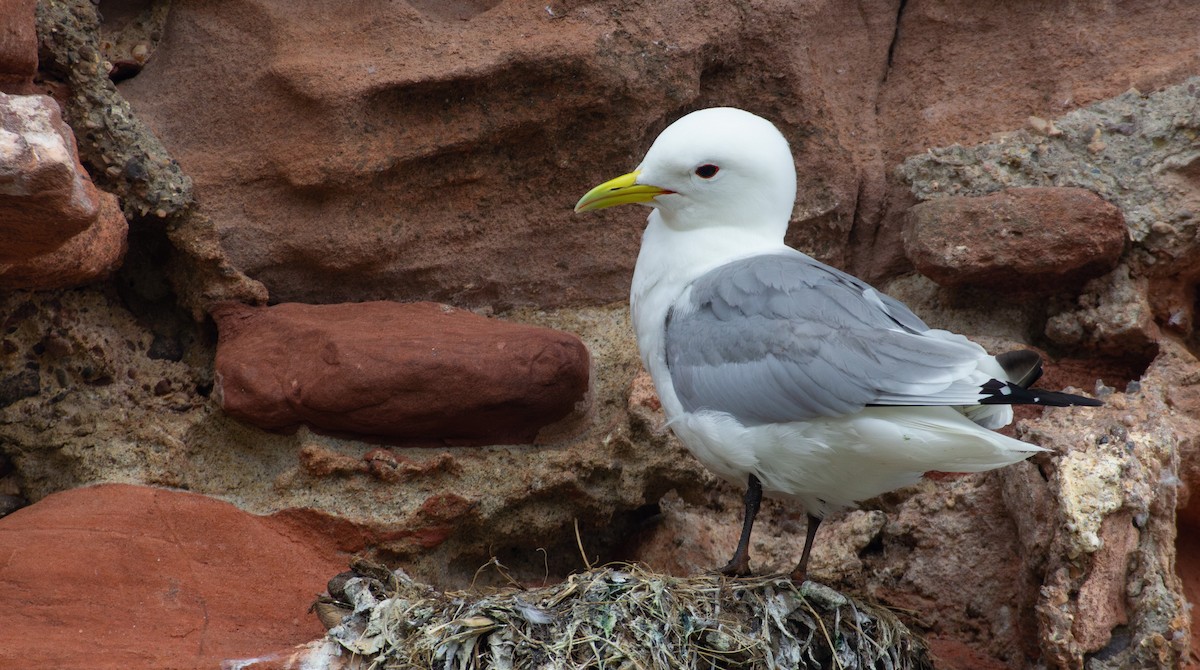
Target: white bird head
pixel 713 167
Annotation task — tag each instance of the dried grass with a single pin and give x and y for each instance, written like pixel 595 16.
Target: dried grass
pixel 619 617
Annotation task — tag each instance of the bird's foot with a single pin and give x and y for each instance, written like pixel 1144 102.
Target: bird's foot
pixel 738 566
pixel 798 576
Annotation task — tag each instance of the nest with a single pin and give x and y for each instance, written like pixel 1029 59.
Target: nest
pixel 619 617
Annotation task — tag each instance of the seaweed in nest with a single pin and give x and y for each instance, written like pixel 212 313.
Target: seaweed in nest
pixel 618 616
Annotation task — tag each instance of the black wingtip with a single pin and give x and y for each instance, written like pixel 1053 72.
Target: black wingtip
pixel 1023 367
pixel 1008 393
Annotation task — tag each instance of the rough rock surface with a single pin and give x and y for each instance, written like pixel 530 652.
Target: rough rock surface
pixel 414 151
pixel 373 122
pixel 1018 240
pixel 120 576
pixel 405 370
pixel 59 229
pixel 1138 152
pixel 440 152
pixel 88 394
pixel 960 72
pixel 1106 585
pixel 18 46
pixel 90 256
pixel 127 159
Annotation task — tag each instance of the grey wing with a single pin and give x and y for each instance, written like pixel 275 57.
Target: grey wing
pixel 783 337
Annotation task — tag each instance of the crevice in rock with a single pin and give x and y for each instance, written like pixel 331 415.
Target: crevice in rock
pixel 144 288
pixel 895 38
pixel 11 494
pixel 130 30
pixel 125 158
pixel 1084 372
pixel 1187 562
pixel 1121 638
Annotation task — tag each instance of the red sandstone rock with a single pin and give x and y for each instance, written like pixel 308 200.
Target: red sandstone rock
pixel 58 229
pixel 464 140
pixel 960 71
pixel 45 196
pixel 1031 240
pixel 118 576
pixel 87 257
pixel 18 45
pixel 1187 564
pixel 444 144
pixel 416 370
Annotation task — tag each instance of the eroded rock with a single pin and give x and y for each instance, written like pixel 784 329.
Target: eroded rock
pixel 416 371
pixel 88 410
pixel 121 576
pixel 18 45
pixel 129 160
pixel 59 230
pixel 1109 592
pixel 441 152
pixel 1113 315
pixel 1019 240
pixel 1138 152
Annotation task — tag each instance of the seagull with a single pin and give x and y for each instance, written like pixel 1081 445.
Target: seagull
pixel 784 374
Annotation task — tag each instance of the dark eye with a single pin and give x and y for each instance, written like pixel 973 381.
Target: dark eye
pixel 707 171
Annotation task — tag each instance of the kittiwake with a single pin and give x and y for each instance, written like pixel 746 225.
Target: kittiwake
pixel 779 372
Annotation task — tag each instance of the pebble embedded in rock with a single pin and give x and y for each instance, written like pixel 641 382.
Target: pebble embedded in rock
pixel 403 370
pixel 1029 240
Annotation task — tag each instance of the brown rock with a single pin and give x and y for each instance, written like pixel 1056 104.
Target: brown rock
pixel 405 119
pixel 955 76
pixel 417 371
pixel 442 149
pixel 60 231
pixel 90 256
pixel 118 576
pixel 1102 593
pixel 18 45
pixel 1187 565
pixel 45 196
pixel 1028 240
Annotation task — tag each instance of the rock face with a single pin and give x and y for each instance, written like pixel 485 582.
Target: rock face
pixel 120 576
pixel 423 132
pixel 1104 585
pixel 128 160
pixel 431 151
pixel 18 46
pixel 943 86
pixel 59 229
pixel 441 153
pixel 416 371
pixel 1021 240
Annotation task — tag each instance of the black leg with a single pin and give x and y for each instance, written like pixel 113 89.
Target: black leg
pixel 739 565
pixel 801 571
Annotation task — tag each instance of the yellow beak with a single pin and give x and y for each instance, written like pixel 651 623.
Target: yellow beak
pixel 620 191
